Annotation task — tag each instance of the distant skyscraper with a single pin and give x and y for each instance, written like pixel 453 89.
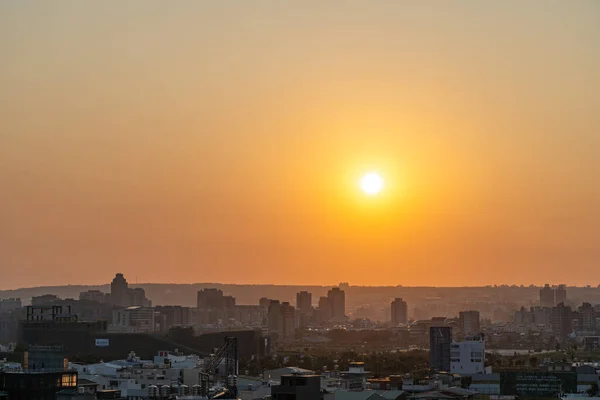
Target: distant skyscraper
pixel 275 317
pixel 547 296
pixel 399 312
pixel 304 302
pixel 213 306
pixel 289 320
pixel 440 341
pixel 562 320
pixel 469 322
pixel 323 311
pixel 560 294
pixel 337 304
pixel 118 291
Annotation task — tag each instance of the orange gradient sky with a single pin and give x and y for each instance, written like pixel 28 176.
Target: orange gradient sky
pixel 198 141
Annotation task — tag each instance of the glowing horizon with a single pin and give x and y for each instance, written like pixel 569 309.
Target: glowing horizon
pixel 176 142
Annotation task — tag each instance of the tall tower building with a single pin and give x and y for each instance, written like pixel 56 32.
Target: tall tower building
pixel 119 295
pixel 288 321
pixel 560 295
pixel 469 322
pixel 304 302
pixel 399 312
pixel 337 304
pixel 547 296
pixel 440 341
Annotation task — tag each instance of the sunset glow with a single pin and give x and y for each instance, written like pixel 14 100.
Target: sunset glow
pixel 372 183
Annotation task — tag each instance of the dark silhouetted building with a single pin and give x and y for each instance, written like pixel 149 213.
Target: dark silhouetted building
pixel 94 295
pixel 298 387
pixel 36 385
pixel 118 291
pixel 337 304
pixel 547 296
pixel 469 322
pixel 304 302
pixel 399 312
pixel 560 294
pixel 562 320
pixel 214 306
pixel 440 341
pixel 288 320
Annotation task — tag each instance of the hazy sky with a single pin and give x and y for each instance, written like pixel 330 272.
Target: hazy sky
pixel 195 141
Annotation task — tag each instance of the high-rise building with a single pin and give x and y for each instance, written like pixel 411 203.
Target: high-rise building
pixel 560 294
pixel 214 306
pixel 547 296
pixel 562 320
pixel 137 297
pixel 275 317
pixel 468 357
pixel 399 312
pixel 93 295
pixel 322 313
pixel 288 320
pixel 337 304
pixel 118 291
pixel 469 322
pixel 587 317
pixel 440 341
pixel 304 302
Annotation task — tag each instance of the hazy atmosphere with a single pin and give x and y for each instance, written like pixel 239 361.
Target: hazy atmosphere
pixel 225 141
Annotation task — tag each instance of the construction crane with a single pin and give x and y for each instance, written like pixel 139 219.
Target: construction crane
pixel 228 353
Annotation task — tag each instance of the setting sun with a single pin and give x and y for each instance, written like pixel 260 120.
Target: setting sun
pixel 371 183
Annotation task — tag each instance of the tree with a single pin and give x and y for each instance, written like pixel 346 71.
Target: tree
pixel 465 382
pixel 533 361
pixel 593 390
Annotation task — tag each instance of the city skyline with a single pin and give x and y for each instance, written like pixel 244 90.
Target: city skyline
pixel 229 142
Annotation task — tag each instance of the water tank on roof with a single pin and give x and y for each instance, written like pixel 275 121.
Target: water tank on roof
pixel 232 380
pixel 165 391
pixel 196 390
pixel 183 390
pixel 153 391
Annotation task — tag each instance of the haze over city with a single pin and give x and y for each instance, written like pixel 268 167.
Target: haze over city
pixel 375 143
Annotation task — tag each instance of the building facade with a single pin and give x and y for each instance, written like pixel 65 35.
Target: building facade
pixel 399 312
pixel 468 357
pixel 440 341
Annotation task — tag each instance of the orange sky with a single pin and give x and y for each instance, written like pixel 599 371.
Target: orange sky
pixel 223 141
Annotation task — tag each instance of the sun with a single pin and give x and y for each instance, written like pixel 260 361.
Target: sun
pixel 371 183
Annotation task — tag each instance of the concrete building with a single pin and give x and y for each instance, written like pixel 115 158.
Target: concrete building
pixel 469 322
pixel 213 306
pixel 323 311
pixel 175 315
pixel 562 320
pixel 336 298
pixel 288 321
pixel 304 302
pixel 440 341
pixel 560 294
pixel 94 295
pixel 587 317
pixel 134 319
pixel 547 296
pixel 8 305
pixel 275 318
pixel 298 387
pixel 399 312
pixel 118 291
pixel 468 357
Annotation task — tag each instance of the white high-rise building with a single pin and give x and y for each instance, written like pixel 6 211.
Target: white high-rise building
pixel 468 357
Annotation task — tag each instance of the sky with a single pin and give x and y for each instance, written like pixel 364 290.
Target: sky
pixel 223 141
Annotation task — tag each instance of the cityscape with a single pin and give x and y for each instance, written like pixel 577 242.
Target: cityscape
pixel 299 200
pixel 120 343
